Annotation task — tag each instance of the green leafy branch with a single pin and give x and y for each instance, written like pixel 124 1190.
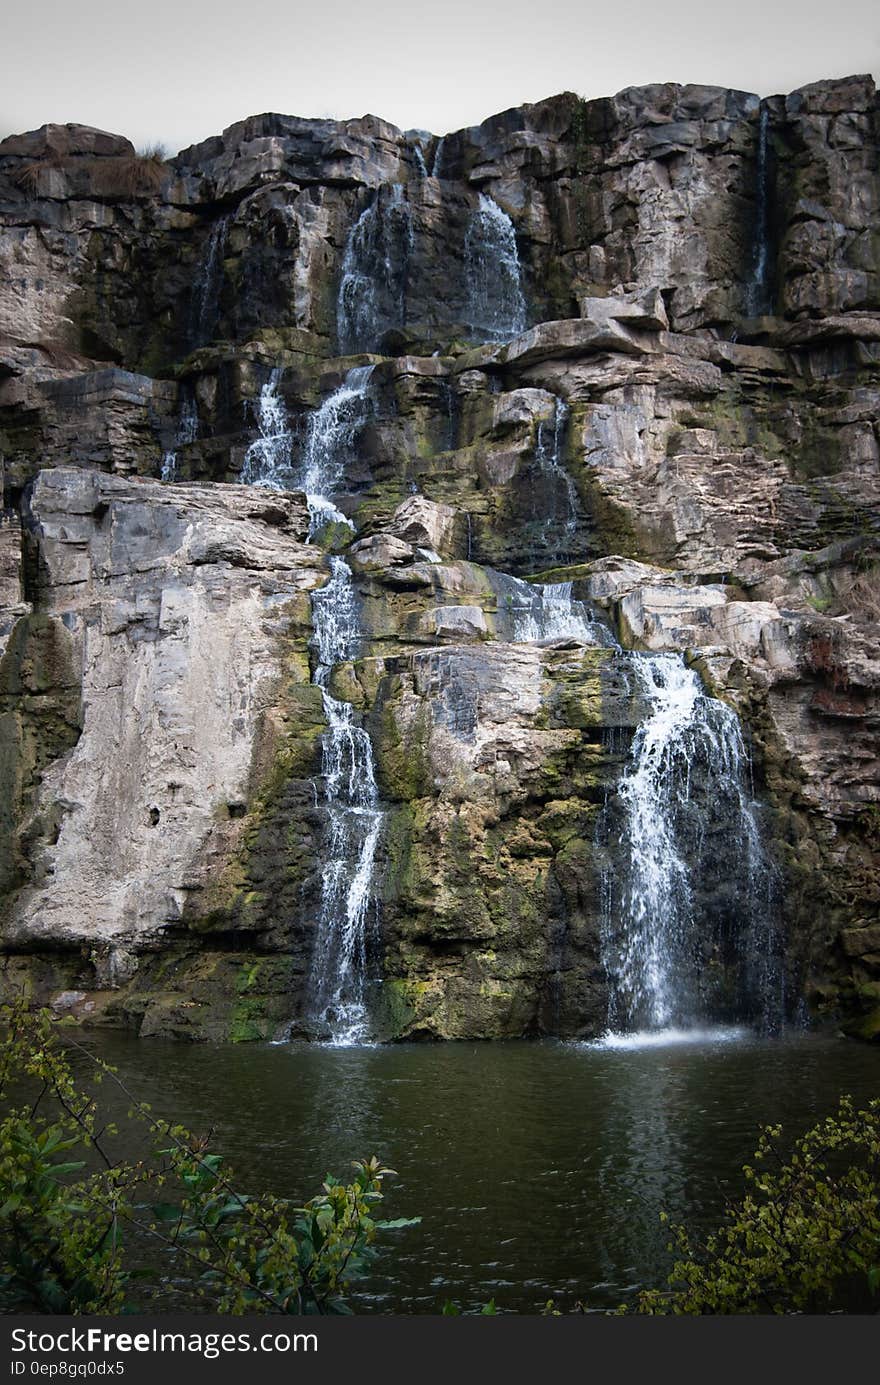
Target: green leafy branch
pixel 62 1248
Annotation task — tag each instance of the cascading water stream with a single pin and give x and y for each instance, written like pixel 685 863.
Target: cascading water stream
pixel 357 308
pixel 339 970
pixel 330 436
pixel 688 895
pixel 337 993
pixel 331 431
pixel 544 612
pixel 339 967
pixel 267 461
pixel 681 915
pixel 375 262
pixel 496 306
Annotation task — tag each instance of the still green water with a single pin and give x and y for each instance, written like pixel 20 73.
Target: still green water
pixel 539 1169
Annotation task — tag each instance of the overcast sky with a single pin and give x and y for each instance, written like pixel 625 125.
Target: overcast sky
pixel 176 71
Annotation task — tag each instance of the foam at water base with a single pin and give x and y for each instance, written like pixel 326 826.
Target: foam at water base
pixel 667 1038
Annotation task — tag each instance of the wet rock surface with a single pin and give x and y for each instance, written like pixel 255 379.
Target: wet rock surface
pixel 682 423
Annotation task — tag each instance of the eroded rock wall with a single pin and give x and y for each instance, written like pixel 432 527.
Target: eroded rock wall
pixel 686 429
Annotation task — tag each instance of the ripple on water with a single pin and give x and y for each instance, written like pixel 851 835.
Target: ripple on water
pixel 564 1154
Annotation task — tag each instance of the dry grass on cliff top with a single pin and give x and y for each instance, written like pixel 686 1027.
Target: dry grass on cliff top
pixel 132 175
pixel 863 595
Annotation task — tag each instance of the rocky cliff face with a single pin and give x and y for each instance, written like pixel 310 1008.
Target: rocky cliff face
pixel 632 345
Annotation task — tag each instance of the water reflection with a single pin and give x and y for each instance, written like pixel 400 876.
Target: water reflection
pixel 538 1169
pixel 641 1171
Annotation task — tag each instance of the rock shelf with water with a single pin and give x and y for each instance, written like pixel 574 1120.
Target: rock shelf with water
pixel 439 573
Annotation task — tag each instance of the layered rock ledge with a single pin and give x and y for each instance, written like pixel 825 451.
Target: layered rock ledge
pixel 685 426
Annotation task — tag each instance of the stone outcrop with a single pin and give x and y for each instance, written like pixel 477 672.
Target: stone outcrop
pixel 686 430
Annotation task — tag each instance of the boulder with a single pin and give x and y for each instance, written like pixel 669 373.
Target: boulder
pixel 426 524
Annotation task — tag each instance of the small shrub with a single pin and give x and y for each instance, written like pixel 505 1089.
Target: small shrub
pixel 805 1238
pixel 76 1221
pixel 451 1309
pixel 821 604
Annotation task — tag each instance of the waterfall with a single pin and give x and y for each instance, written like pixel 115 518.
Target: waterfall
pixel 331 432
pixel 330 436
pixel 205 308
pixel 542 612
pixel 339 970
pixel 558 495
pixel 372 290
pixel 437 161
pixel 420 159
pixel 337 992
pixel 187 432
pixel 496 306
pixel 689 892
pixel 758 298
pixel 357 309
pixel 267 461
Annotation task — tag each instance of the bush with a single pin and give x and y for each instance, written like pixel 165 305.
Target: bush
pixel 79 1226
pixel 805 1238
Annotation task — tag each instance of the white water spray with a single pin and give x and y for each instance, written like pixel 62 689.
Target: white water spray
pixel 330 437
pixel 339 968
pixel 268 461
pixel 688 825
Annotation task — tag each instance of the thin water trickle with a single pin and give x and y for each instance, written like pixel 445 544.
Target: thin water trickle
pixel 758 291
pixel 496 305
pixel 559 495
pixel 205 309
pixel 419 157
pixel 375 262
pixel 187 432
